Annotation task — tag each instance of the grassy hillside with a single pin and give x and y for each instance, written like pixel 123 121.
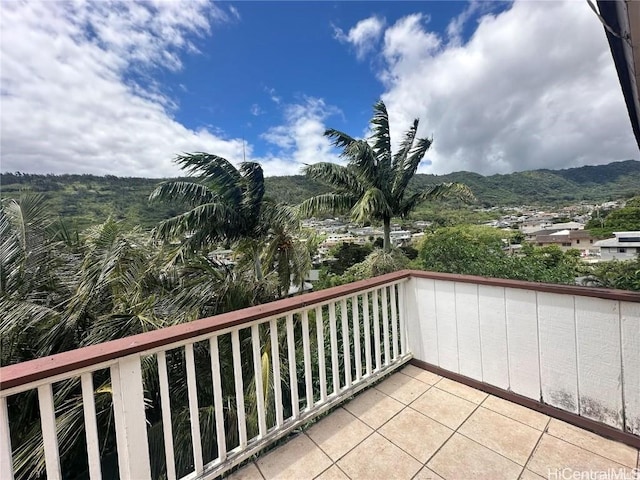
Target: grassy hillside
pixel 84 200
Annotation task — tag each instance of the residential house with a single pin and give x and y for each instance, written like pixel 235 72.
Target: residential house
pixel 624 246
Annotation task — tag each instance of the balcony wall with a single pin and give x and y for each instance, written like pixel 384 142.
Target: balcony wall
pixel 574 348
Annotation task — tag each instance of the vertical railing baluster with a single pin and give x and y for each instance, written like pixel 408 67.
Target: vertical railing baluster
pixel 385 325
pixel 306 347
pixel 165 405
pixel 275 362
pixel 322 368
pixel 376 328
pixel 335 372
pixel 239 387
pixel 90 426
pixel 356 337
pixel 6 458
pixel 401 316
pixel 194 412
pixel 49 432
pixel 367 331
pixel 217 398
pixel 293 373
pixel 257 373
pixel 394 320
pixel 129 418
pixel 346 342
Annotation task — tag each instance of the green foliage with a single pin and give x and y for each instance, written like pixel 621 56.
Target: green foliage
pixel 474 250
pixel 616 274
pixel 346 255
pixel 621 220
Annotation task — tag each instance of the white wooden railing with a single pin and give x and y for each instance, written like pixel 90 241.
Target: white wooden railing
pixel 348 337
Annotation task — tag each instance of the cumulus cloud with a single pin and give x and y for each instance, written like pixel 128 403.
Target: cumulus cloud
pixel 363 36
pixel 300 139
pixel 533 87
pixel 77 87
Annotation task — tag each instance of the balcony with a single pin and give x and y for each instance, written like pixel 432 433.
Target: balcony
pixel 504 375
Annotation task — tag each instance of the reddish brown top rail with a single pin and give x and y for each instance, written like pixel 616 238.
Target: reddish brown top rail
pixel 33 370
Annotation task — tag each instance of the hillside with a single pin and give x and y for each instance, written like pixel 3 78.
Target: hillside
pixel 84 200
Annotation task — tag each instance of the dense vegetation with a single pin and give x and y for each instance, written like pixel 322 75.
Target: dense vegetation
pixel 84 200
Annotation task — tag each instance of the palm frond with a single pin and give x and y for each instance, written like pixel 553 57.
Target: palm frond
pixel 337 176
pixel 253 194
pixel 218 171
pixel 327 203
pixel 407 169
pixel 436 192
pixel 381 137
pixel 338 139
pixel 189 193
pixel 373 204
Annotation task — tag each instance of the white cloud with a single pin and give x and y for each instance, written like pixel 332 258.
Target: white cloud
pixel 69 103
pixel 534 87
pixel 363 36
pixel 256 110
pixel 300 140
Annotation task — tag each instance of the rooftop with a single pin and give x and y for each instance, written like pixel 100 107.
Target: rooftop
pixel 418 425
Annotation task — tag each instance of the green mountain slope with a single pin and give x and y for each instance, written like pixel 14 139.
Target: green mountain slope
pixel 84 200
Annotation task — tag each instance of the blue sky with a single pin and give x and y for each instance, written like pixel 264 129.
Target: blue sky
pixel 115 87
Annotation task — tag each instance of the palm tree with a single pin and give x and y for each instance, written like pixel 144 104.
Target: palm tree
pixel 225 205
pixel 373 185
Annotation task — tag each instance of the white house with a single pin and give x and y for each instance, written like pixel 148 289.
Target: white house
pixel 625 246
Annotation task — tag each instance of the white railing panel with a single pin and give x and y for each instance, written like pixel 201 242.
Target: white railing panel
pixel 356 337
pixel 404 319
pixel 165 406
pixel 90 426
pixel 421 319
pixel 522 332
pixel 558 357
pixel 293 368
pixel 346 342
pixel 385 326
pixel 376 329
pixel 493 335
pixel 306 347
pixel 275 365
pixel 130 419
pixel 217 399
pixel 599 354
pixel 257 373
pixel 194 410
pixel 333 333
pixel 367 332
pixel 322 368
pixel 445 301
pixel 6 460
pixel 49 432
pixel 239 388
pixel 394 320
pixel 630 333
pixel 468 329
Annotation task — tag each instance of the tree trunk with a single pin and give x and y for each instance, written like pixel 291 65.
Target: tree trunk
pixel 387 235
pixel 257 264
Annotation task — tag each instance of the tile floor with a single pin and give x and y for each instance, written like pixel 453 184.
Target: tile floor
pixel 417 425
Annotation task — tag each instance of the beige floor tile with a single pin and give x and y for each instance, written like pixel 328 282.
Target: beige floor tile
pixel 332 473
pixel 443 407
pixel 416 434
pixel 512 410
pixel 616 451
pixel 248 472
pixel 338 433
pixel 403 388
pixel 554 455
pixel 509 438
pixel 374 407
pixel 299 458
pixel 426 474
pixel 378 458
pixel 529 475
pixel 461 390
pixel 463 458
pixel 421 374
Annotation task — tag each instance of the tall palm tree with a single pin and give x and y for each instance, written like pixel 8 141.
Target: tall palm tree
pixel 373 185
pixel 225 205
